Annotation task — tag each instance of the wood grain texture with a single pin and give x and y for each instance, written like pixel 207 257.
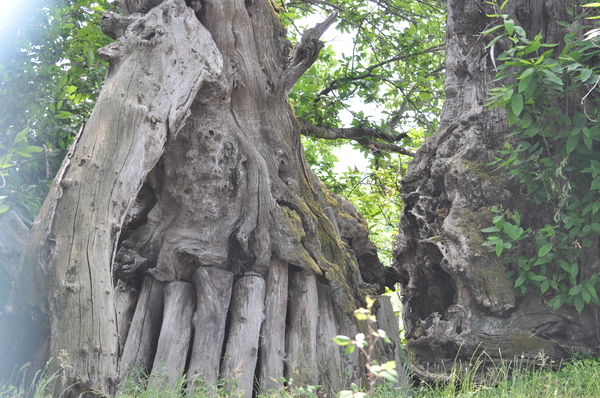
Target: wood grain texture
pixel 125 303
pixel 245 319
pixel 140 346
pixel 214 288
pixel 329 354
pixel 272 335
pixel 301 335
pixel 175 335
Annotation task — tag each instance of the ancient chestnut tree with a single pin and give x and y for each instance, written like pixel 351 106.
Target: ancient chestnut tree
pixel 184 231
pixel 499 237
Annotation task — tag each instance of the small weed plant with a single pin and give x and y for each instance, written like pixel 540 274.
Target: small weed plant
pixel 366 345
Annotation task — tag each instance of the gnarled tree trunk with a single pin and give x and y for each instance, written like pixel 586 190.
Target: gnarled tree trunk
pixel 457 301
pixel 187 193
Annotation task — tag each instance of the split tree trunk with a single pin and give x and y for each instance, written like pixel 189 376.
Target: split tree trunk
pixel 457 301
pixel 188 184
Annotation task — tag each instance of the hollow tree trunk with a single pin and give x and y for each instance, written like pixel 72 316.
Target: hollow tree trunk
pixel 456 298
pixel 187 193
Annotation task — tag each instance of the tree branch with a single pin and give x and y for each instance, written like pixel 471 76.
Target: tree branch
pixel 306 51
pixel 334 84
pixel 364 136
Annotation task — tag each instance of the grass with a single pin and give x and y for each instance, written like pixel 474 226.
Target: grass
pixel 577 379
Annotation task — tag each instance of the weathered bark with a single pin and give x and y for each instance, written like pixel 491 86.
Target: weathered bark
pixel 213 289
pixel 191 171
pixel 125 302
pixel 301 335
pixel 328 354
pixel 272 348
pixel 175 334
pixel 245 318
pixel 456 298
pixel 142 338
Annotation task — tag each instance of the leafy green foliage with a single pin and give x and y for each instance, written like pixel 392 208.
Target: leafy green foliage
pixel 552 106
pixel 393 64
pixel 374 192
pixel 50 78
pixel 382 69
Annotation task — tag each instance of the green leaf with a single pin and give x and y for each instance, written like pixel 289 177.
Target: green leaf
pixel 517 104
pixel 553 77
pixel 526 120
pixel 542 260
pixel 488 31
pixel 572 143
pixel 590 288
pixel 509 25
pixel 579 304
pixel 520 31
pixel 533 46
pixel 342 340
pixel 545 249
pixel 575 290
pixel 349 349
pixel 21 136
pixel 587 297
pixel 520 280
pixel 538 278
pixel 585 74
pixel 63 115
pixel 499 248
pixel 564 265
pixel 525 82
pixel 387 375
pixel 490 230
pixel 526 73
pixel 574 269
pixel 515 232
pixel 28 150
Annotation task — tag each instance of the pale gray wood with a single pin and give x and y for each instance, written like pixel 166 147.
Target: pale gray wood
pixel 175 335
pixel 13 239
pixel 272 336
pixel 352 364
pixel 142 338
pixel 329 354
pixel 387 321
pixel 125 303
pixel 213 295
pixel 245 318
pixel 301 335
